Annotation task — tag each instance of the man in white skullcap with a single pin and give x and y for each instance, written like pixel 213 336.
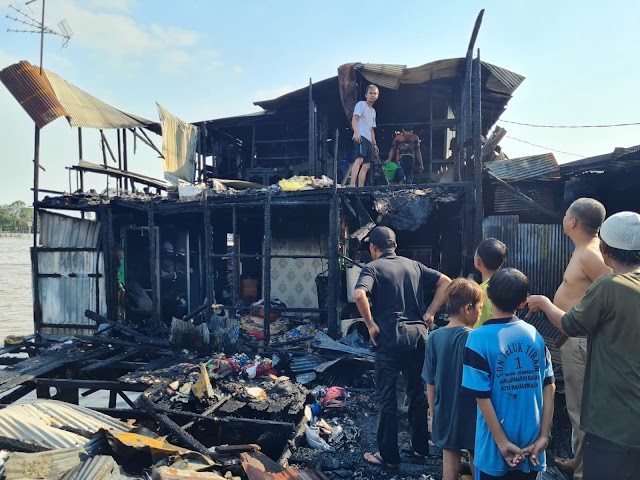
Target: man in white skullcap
pixel 609 315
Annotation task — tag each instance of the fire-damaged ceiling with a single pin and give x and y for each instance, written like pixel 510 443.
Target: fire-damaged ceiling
pixel 409 209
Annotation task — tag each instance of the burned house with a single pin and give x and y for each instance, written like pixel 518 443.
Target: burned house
pixel 241 240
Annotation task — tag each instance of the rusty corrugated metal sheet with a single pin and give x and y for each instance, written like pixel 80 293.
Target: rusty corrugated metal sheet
pixel 504 202
pixel 33 92
pixel 63 231
pixel 48 97
pixel 541 252
pixel 383 75
pixel 41 422
pixel 68 286
pixel 85 110
pixel 522 168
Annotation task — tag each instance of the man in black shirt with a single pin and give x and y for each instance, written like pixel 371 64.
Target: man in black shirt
pixel 397 287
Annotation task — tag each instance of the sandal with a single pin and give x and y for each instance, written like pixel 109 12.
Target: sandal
pixel 566 465
pixel 376 459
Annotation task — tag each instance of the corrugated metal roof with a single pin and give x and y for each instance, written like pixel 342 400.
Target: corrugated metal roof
pixel 63 231
pixel 505 202
pixel 383 75
pixel 69 286
pixel 494 78
pixel 510 80
pixel 87 111
pixel 523 168
pixel 33 92
pixel 46 99
pixel 619 159
pixel 40 422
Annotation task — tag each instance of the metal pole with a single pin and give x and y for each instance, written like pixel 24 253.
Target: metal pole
pixel 37 308
pixel 430 140
pixel 42 36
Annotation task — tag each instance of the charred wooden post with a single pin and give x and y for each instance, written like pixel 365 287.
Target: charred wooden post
pixel 430 140
pixel 234 221
pixel 267 269
pixel 208 246
pixel 334 265
pixel 153 265
pixel 312 160
pixel 477 149
pixel 120 183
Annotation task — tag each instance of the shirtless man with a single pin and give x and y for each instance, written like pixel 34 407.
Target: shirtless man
pixel 581 223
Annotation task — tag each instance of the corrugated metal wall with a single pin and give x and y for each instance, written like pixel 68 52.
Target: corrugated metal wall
pixel 62 231
pixel 67 278
pixel 540 251
pixel 65 296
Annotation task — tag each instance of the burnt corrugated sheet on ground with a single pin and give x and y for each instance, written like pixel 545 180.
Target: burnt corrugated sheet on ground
pixel 100 467
pixel 50 464
pixel 41 422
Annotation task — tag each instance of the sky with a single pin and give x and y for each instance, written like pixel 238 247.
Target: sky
pixel 205 59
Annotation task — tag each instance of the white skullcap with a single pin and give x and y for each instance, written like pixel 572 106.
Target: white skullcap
pixel 622 231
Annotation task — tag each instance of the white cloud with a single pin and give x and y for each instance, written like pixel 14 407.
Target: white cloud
pixel 117 39
pixel 120 5
pixel 237 70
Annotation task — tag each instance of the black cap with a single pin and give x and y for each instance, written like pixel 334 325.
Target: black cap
pixel 382 237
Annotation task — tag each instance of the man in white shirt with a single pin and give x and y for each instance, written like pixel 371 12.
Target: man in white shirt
pixel 364 139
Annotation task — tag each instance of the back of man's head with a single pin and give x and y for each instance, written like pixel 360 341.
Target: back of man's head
pixel 620 237
pixel 589 213
pixel 508 289
pixel 492 252
pixel 383 238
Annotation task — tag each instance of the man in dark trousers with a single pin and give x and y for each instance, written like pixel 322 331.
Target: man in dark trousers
pixel 398 329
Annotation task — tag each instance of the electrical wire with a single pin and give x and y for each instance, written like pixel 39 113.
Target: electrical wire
pixel 571 126
pixel 542 146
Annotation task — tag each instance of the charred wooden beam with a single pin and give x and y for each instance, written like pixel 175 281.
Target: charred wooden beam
pixel 108 362
pixel 91 384
pixel 162 418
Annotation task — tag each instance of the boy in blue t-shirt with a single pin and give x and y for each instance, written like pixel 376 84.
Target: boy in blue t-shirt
pixel 508 369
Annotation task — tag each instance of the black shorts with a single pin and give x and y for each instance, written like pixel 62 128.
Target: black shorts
pixel 364 150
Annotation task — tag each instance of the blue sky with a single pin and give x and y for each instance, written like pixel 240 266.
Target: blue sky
pixel 204 59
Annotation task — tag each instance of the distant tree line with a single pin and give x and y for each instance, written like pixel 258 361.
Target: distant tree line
pixel 16 217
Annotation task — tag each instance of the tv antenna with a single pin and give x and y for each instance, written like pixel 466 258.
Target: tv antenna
pixel 26 19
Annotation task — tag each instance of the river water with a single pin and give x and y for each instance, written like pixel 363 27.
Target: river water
pixel 16 303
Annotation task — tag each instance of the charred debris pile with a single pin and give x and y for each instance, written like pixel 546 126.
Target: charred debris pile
pixel 302 410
